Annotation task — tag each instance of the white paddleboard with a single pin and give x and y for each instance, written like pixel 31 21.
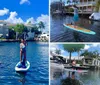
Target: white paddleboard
pixel 79 71
pixel 22 69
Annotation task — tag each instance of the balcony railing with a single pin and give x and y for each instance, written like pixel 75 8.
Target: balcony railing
pixel 87 3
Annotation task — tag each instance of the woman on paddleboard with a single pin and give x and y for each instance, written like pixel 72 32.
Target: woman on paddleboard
pixel 23 52
pixel 76 16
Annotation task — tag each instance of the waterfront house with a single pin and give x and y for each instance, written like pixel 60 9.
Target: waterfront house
pixel 87 61
pixel 86 6
pixel 91 61
pixel 44 37
pixel 4 32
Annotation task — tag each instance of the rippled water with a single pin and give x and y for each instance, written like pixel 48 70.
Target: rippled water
pixel 37 55
pixel 59 33
pixel 89 78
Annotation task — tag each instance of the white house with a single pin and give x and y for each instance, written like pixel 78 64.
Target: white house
pixel 4 31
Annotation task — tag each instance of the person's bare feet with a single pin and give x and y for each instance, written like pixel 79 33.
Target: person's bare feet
pixel 75 26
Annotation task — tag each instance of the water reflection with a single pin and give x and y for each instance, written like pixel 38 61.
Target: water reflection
pixel 92 77
pixel 22 76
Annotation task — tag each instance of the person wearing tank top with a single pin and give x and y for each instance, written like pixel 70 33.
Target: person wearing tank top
pixel 76 16
pixel 22 52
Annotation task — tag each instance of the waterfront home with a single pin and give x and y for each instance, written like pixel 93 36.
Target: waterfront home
pixel 91 61
pixel 4 32
pixel 87 61
pixel 44 37
pixel 86 6
pixel 76 58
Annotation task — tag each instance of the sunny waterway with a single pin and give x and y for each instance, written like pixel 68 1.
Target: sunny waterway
pixel 37 55
pixel 59 33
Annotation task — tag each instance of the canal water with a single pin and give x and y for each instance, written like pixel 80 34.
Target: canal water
pixel 37 55
pixel 89 78
pixel 59 33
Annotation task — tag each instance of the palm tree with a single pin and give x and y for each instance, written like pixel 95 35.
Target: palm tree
pixel 97 8
pixel 93 54
pixel 79 47
pixel 72 48
pixel 41 25
pixel 35 29
pixel 25 32
pixel 58 51
pixel 68 2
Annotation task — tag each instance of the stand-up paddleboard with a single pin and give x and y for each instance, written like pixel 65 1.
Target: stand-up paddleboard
pixel 79 29
pixel 79 71
pixel 22 69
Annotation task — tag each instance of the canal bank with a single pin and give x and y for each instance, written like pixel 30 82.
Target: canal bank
pixel 84 14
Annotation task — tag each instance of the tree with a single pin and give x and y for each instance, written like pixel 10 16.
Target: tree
pixel 13 28
pixel 85 53
pixel 93 54
pixel 79 47
pixel 73 48
pixel 58 51
pixel 68 2
pixel 97 6
pixel 25 32
pixel 12 33
pixel 41 25
pixel 19 29
pixel 34 28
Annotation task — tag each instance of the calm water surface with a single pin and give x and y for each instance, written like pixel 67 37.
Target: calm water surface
pixel 59 33
pixel 37 55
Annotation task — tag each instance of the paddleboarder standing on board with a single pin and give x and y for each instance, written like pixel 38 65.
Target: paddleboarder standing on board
pixel 76 16
pixel 23 52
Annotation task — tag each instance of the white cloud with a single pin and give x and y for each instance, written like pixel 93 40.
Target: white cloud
pixel 95 44
pixel 13 18
pixel 45 20
pixel 32 20
pixel 86 47
pixel 62 51
pixel 24 1
pixel 53 47
pixel 91 45
pixel 4 11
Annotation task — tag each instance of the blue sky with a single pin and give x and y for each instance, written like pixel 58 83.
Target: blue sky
pixel 89 47
pixel 33 8
pixel 23 11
